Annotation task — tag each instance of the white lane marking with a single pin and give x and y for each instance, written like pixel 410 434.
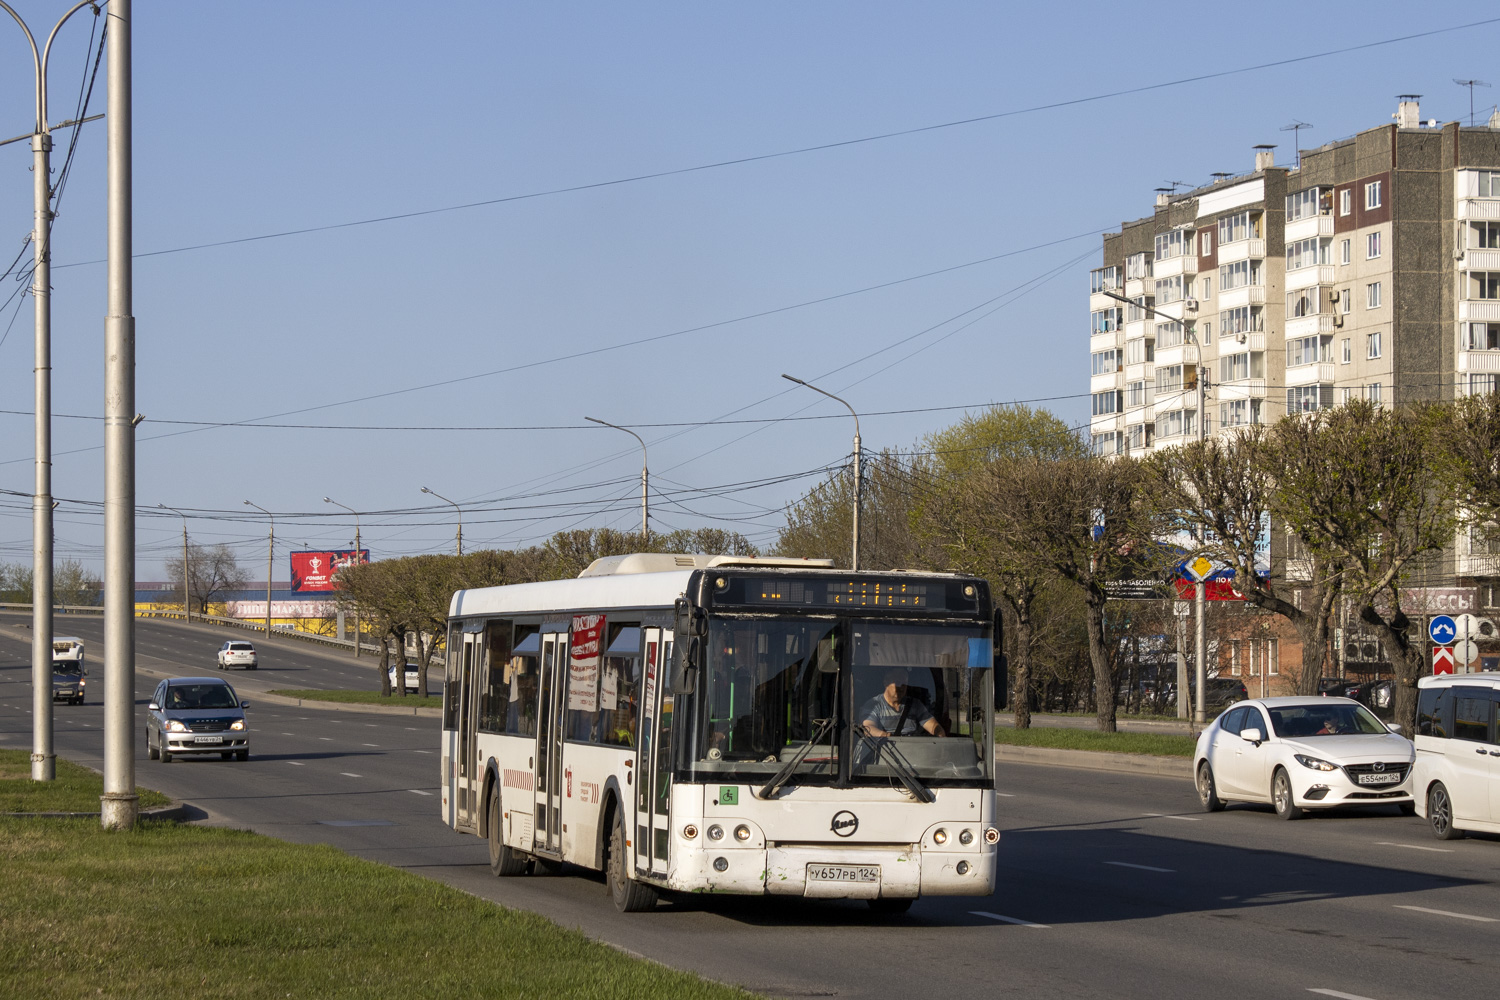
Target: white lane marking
pixel 1006 795
pixel 326 739
pixel 1144 868
pixel 418 791
pixel 370 744
pixel 295 763
pixel 1412 847
pixel 1338 993
pixel 423 751
pixel 1009 920
pixel 288 734
pixel 411 729
pixel 348 775
pixel 1185 819
pixel 1450 913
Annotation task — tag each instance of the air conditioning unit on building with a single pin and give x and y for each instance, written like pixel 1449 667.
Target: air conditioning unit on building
pixel 1190 305
pixel 1242 336
pixel 1338 322
pixel 1333 296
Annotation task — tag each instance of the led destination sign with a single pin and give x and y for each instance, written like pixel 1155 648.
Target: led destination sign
pixel 930 595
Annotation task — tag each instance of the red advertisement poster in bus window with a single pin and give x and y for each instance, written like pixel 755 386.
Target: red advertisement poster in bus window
pixel 583 663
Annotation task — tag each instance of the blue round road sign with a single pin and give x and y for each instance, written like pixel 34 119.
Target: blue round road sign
pixel 1442 629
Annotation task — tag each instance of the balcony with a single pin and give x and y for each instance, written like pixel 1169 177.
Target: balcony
pixel 1105 422
pixel 1306 326
pixel 1138 372
pixel 1104 341
pixel 1478 361
pixel 1477 208
pixel 1098 302
pixel 1249 295
pixel 1310 374
pixel 1479 309
pixel 1182 354
pixel 1306 277
pixel 1478 565
pixel 1173 266
pixel 1241 250
pixel 1136 287
pixel 1249 388
pixel 1098 383
pixel 1480 260
pixel 1306 229
pixel 1140 415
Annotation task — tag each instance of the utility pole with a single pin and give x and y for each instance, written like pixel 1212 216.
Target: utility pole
pixel 187 601
pixel 270 560
pixel 460 517
pixel 645 475
pixel 119 806
pixel 358 558
pixel 43 759
pixel 858 476
pixel 1200 595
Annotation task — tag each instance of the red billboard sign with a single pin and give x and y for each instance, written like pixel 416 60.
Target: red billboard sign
pixel 314 571
pixel 1213 590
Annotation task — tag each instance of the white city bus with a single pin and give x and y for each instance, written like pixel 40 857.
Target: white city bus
pixel 697 723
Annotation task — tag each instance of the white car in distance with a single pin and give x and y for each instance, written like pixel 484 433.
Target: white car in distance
pixel 237 653
pixel 1301 754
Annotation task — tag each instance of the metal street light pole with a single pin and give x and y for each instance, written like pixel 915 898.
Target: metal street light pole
pixel 119 805
pixel 460 517
pixel 270 560
pixel 187 602
pixel 645 476
pixel 43 760
pixel 358 555
pixel 858 481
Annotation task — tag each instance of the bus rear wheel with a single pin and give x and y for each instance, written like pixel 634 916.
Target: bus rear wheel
pixel 629 895
pixel 503 860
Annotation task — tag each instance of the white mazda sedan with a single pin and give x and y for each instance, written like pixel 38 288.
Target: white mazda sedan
pixel 1300 754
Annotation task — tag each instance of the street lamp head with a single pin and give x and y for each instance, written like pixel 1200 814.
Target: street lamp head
pixel 327 500
pixel 426 490
pixel 791 378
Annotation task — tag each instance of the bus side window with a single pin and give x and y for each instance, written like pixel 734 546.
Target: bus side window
pixel 521 674
pixel 496 691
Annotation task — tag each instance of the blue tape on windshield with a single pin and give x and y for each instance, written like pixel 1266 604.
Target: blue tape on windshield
pixel 981 652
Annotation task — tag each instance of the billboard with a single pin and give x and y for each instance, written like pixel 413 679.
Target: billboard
pixel 313 571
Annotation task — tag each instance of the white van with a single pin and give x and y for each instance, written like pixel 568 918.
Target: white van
pixel 1456 780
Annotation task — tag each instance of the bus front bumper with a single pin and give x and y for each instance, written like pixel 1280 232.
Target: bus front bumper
pixel 838 872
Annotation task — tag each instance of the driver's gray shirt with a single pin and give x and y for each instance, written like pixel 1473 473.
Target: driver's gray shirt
pixel 880 712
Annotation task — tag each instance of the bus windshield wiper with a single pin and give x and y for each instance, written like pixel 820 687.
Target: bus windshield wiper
pixel 784 775
pixel 885 749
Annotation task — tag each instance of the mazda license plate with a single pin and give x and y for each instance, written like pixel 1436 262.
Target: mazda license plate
pixel 208 739
pixel 843 873
pixel 1385 778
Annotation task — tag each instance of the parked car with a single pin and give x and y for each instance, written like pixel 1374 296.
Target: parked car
pixel 1300 754
pixel 1457 776
pixel 237 653
pixel 68 681
pixel 196 715
pixel 410 676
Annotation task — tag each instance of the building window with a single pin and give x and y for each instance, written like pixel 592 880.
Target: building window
pixel 1139 308
pixel 1233 367
pixel 1303 302
pixel 1372 345
pixel 1208 333
pixel 1273 655
pixel 1309 203
pixel 1346 201
pixel 1372 295
pixel 1168 335
pixel 1344 353
pixel 1306 351
pixel 1372 195
pixel 1104 320
pixel 1344 252
pixel 1307 253
pixel 1484 235
pixel 1137 266
pixel 1139 351
pixel 1372 246
pixel 1173 244
pixel 1169 378
pixel 1139 394
pixel 1346 394
pixel 1245 319
pixel 1372 393
pixel 1308 398
pixel 1104 279
pixel 1480 337
pixel 1480 385
pixel 1489 184
pixel 1240 226
pixel 1104 362
pixel 1107 443
pixel 1169 289
pixel 1239 412
pixel 1484 284
pixel 1346 301
pixel 1206 242
pixel 1176 423
pixel 1107 402
pixel 1208 287
pixel 1139 436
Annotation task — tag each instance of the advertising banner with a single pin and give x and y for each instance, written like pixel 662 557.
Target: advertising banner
pixel 583 663
pixel 314 571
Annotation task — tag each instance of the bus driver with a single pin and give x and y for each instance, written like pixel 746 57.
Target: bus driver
pixel 894 712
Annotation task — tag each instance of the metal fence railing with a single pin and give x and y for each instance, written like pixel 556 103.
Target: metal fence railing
pixel 219 620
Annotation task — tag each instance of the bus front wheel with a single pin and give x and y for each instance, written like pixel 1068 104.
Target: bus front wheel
pixel 503 860
pixel 629 895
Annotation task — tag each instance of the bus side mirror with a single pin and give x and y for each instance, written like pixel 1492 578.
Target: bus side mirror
pixel 691 621
pixel 687 666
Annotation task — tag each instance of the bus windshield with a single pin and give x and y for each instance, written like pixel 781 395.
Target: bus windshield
pixel 881 702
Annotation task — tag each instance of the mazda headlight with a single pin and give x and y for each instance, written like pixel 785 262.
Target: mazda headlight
pixel 1315 763
pixel 173 726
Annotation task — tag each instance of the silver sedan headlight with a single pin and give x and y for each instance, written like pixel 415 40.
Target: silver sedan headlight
pixel 173 726
pixel 1315 763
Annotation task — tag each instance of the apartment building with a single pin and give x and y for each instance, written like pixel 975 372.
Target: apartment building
pixel 1371 270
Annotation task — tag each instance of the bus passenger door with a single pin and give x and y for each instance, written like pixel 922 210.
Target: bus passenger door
pixel 467 764
pixel 653 759
pixel 549 742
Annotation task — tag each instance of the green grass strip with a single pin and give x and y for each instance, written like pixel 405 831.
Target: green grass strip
pixel 170 910
pixel 77 789
pixel 365 698
pixel 1057 738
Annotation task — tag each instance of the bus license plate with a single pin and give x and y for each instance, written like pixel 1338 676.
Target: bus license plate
pixel 208 739
pixel 843 873
pixel 1389 778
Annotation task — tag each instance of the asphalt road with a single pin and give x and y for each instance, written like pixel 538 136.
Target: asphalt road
pixel 1110 885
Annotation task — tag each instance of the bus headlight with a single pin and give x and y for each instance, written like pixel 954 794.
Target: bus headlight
pixel 742 832
pixel 716 832
pixel 721 864
pixel 690 832
pixel 940 836
pixel 962 868
pixel 966 837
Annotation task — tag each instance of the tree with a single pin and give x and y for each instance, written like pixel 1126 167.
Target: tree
pixel 1085 519
pixel 820 524
pixel 71 584
pixel 1358 482
pixel 1222 488
pixel 212 572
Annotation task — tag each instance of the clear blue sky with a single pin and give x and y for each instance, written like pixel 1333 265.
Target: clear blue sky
pixel 255 119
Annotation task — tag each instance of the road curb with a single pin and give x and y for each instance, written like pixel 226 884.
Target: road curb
pixel 175 812
pixel 1097 760
pixel 345 706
